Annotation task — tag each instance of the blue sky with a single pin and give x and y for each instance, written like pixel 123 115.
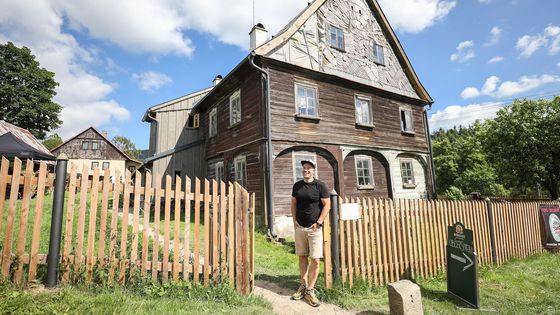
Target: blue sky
pixel 114 59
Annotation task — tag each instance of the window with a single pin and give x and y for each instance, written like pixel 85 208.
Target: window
pixel 193 121
pixel 297 158
pixel 235 108
pixel 213 122
pixel 94 165
pixel 378 56
pixel 240 166
pixel 337 37
pixel 95 145
pixel 105 165
pixel 364 171
pixel 132 169
pixel 306 101
pixel 85 145
pixel 363 111
pixel 219 171
pixel 406 120
pixel 407 173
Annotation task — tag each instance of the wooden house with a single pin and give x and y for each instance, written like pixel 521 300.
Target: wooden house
pixel 92 148
pixel 335 86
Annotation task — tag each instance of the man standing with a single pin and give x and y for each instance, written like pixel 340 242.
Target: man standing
pixel 310 205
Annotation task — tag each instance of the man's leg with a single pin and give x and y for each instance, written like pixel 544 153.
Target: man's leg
pixel 303 264
pixel 313 273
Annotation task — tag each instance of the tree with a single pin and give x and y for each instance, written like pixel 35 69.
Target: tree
pixel 52 141
pixel 127 146
pixel 524 144
pixel 26 92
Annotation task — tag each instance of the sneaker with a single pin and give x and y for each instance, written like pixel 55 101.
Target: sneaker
pixel 311 297
pixel 299 293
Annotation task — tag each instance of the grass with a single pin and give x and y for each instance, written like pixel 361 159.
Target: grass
pixel 178 298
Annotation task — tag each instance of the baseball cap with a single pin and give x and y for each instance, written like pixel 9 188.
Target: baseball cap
pixel 308 162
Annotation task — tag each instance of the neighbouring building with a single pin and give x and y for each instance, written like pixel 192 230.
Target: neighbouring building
pixel 92 149
pixel 21 143
pixel 334 86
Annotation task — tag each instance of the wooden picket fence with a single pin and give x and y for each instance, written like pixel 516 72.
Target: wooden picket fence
pixel 112 233
pixel 398 239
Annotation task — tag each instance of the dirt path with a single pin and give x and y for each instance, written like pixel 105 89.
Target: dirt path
pixel 282 304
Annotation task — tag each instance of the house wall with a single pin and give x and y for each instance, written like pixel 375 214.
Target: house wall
pixel 73 148
pixel 310 47
pixel 114 165
pixel 381 176
pixel 171 132
pixel 337 114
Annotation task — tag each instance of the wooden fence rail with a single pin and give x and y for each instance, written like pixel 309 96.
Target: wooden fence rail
pixel 123 229
pixel 396 239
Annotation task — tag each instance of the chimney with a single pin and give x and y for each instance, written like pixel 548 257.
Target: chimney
pixel 258 36
pixel 217 80
pixel 105 134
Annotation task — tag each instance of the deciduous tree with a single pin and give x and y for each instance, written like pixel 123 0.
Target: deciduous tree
pixel 127 146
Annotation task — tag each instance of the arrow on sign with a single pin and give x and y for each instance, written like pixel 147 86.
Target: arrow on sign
pixel 463 260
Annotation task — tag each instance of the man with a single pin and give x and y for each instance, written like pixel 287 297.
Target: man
pixel 310 206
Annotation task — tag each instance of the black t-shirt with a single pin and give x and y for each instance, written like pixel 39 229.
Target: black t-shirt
pixel 308 197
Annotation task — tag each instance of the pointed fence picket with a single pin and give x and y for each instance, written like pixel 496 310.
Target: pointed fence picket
pixel 396 239
pixel 112 232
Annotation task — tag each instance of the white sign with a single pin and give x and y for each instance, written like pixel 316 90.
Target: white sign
pixel 350 211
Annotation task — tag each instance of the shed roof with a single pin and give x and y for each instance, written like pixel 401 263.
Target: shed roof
pixel 18 142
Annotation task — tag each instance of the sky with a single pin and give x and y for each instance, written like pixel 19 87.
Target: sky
pixel 114 58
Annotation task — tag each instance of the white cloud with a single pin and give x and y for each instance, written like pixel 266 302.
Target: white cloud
pixel 558 64
pixel 414 16
pixel 495 34
pixel 151 81
pixel 84 96
pixel 484 1
pixel 456 115
pixel 509 88
pixel 496 59
pixel 470 92
pixel 464 52
pixel 528 45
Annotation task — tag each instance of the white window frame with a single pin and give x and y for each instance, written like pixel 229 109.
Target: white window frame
pixel 370 170
pixel 240 170
pixel 219 176
pixel 407 127
pixel 306 88
pixel 358 98
pixel 95 145
pixel 235 108
pixel 193 121
pixel 339 37
pixel 296 163
pixel 378 53
pixel 405 182
pixel 213 122
pixel 85 145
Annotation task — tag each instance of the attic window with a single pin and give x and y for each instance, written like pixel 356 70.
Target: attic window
pixel 193 121
pixel 95 145
pixel 378 56
pixel 85 145
pixel 337 37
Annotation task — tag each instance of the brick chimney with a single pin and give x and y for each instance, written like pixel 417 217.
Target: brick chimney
pixel 258 36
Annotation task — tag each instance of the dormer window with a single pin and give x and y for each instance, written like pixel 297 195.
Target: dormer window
pixel 337 37
pixel 378 56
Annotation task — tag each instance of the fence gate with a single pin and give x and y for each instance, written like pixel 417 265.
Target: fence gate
pixel 120 229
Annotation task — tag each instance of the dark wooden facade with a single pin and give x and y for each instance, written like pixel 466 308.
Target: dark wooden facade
pixel 73 148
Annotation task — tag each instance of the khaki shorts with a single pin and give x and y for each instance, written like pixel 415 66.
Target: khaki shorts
pixel 308 242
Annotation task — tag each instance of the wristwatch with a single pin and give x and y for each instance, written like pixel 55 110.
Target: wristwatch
pixel 319 224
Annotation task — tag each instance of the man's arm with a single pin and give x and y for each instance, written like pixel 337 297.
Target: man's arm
pixel 326 208
pixel 293 210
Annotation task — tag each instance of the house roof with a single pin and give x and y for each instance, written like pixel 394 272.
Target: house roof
pixel 18 142
pixel 289 30
pixel 102 136
pixel 160 106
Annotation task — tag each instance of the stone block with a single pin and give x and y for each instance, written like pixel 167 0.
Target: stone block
pixel 405 298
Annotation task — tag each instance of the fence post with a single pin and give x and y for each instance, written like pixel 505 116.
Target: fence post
pixel 56 221
pixel 335 245
pixel 491 228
